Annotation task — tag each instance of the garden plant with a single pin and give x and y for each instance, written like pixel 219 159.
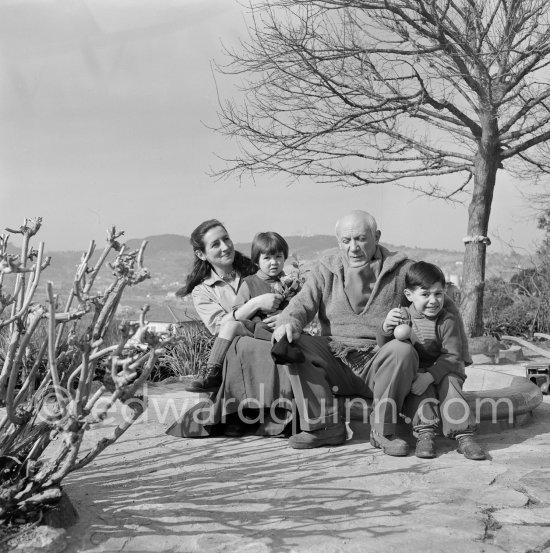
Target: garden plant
pixel 61 373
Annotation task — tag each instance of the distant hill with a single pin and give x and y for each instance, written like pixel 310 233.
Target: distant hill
pixel 169 257
pixel 163 243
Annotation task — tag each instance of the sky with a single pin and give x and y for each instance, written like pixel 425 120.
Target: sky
pixel 106 109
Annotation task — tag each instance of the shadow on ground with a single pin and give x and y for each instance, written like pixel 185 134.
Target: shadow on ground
pixel 251 485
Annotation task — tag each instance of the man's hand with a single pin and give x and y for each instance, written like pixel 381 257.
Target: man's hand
pixel 421 382
pixel 393 318
pixel 285 330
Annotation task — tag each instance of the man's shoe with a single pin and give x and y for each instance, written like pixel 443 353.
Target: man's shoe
pixel 331 435
pixel 470 448
pixel 390 445
pixel 425 445
pixel 210 381
pixel 235 429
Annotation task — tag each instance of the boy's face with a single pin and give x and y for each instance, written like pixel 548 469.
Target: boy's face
pixel 271 264
pixel 427 301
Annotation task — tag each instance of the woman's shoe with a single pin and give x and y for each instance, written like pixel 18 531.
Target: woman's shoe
pixel 210 381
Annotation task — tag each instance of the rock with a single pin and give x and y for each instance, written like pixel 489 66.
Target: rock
pixel 41 539
pixel 61 515
pixel 488 346
pixel 513 354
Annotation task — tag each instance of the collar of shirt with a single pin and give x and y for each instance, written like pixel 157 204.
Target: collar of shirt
pixel 214 278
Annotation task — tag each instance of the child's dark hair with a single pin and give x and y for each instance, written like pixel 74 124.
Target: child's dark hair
pixel 423 275
pixel 268 243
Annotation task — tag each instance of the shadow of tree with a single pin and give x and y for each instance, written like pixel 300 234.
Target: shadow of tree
pixel 251 486
pixel 149 485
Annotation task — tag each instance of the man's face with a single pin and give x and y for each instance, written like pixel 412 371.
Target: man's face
pixel 357 240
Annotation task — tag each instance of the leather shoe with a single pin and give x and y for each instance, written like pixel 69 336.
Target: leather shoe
pixel 470 448
pixel 210 382
pixel 390 445
pixel 425 445
pixel 235 429
pixel 331 435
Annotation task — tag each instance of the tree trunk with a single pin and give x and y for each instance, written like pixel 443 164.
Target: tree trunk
pixel 473 276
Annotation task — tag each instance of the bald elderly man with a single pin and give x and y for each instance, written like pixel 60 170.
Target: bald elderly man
pixel 352 292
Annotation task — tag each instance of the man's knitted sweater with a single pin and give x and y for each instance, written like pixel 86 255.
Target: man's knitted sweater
pixel 323 293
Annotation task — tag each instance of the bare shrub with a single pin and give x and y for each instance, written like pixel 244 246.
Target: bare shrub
pixel 51 356
pixel 510 308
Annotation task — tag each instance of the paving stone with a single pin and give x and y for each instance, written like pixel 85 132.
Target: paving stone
pixel 537 484
pixel 520 539
pixel 498 497
pixel 534 516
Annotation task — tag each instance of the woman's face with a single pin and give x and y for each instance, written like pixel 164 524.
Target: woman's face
pixel 218 249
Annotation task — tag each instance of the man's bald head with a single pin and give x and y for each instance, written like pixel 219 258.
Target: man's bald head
pixel 357 216
pixel 358 237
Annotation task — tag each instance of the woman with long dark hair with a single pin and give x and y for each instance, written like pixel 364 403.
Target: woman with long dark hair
pixel 213 283
pixel 216 275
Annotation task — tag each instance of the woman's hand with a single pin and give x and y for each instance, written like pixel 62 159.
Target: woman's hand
pixel 421 382
pixel 268 302
pixel 272 320
pixel 393 318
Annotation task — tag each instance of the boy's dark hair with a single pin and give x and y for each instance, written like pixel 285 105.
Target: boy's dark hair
pixel 268 243
pixel 423 275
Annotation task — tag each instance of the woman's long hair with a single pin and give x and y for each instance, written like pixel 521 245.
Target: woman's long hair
pixel 201 269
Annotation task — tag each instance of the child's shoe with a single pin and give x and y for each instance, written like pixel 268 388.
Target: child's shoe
pixel 209 381
pixel 425 445
pixel 470 448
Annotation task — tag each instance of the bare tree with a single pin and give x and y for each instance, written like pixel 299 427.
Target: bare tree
pixel 397 91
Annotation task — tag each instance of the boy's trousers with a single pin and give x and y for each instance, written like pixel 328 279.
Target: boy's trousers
pixel 442 403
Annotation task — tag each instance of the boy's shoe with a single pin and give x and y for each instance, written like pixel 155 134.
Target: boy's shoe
pixel 335 434
pixel 425 445
pixel 470 448
pixel 210 381
pixel 390 445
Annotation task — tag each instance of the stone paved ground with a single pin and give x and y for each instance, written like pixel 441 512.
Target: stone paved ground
pixel 152 492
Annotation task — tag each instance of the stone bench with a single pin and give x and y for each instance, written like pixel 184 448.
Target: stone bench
pixel 499 400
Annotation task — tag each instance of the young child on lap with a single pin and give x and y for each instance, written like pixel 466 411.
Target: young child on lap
pixel 260 298
pixel 437 339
